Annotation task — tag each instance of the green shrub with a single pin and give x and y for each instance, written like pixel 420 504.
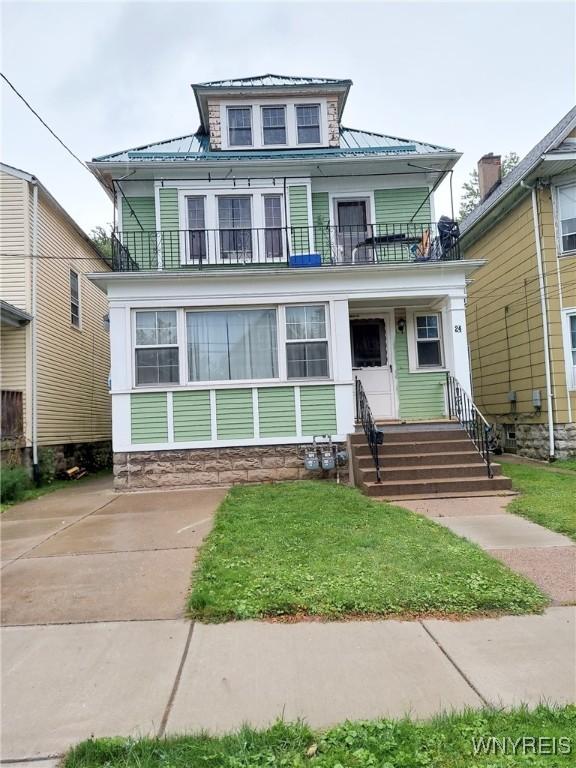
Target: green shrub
pixel 14 481
pixel 46 465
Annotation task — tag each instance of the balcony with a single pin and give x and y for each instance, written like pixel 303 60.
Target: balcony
pixel 285 247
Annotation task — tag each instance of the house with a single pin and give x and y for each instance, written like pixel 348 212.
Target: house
pixel 54 353
pixel 272 272
pixel 521 308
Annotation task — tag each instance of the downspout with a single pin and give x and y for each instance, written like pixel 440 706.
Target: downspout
pixel 544 308
pixel 34 334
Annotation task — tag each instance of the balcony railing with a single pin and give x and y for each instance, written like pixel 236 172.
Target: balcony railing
pixel 273 247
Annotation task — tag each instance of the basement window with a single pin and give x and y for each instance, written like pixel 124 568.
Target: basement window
pixel 510 444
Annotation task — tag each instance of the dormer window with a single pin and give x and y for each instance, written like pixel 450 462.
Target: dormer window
pixel 240 126
pixel 274 125
pixel 308 123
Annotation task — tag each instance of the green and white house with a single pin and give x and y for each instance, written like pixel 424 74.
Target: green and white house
pixel 262 265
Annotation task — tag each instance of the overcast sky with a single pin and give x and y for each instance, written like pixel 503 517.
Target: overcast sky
pixel 480 77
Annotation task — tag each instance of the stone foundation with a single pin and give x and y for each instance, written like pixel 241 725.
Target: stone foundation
pixel 215 466
pixel 532 440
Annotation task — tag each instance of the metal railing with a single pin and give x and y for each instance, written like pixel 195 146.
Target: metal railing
pixel 462 408
pixel 312 246
pixel 374 436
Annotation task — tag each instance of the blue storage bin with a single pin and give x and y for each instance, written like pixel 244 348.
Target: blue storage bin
pixel 306 260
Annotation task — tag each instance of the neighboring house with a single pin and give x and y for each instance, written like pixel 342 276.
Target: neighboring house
pixel 54 341
pixel 522 304
pixel 261 265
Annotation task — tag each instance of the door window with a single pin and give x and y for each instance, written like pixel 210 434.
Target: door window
pixel 369 344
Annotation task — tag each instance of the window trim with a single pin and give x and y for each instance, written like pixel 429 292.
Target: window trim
pixel 158 385
pixel 566 335
pixel 413 366
pixel 326 338
pixel 228 141
pixel 78 325
pixel 220 382
pixel 558 220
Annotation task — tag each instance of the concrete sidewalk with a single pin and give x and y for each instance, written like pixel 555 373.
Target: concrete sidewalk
pixel 543 556
pixel 63 683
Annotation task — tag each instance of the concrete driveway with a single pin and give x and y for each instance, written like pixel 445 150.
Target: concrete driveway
pixel 88 554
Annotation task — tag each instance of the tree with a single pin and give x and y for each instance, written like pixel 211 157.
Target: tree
pixel 470 196
pixel 102 239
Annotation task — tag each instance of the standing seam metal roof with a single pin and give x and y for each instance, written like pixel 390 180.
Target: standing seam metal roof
pixel 258 81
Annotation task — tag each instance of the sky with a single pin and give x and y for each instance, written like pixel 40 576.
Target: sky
pixel 477 76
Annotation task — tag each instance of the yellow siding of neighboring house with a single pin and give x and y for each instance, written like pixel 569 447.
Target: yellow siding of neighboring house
pixel 73 364
pixel 15 271
pixel 505 318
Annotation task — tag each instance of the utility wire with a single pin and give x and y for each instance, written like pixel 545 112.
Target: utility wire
pixel 44 123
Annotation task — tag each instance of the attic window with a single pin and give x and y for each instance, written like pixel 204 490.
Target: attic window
pixel 274 125
pixel 240 126
pixel 308 123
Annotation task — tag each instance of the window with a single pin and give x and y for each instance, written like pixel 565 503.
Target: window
pixel 240 126
pixel 308 123
pixel 567 216
pixel 156 348
pixel 232 345
pixel 572 343
pixel 274 125
pixel 74 299
pixel 510 444
pixel 196 229
pixel 428 346
pixel 306 342
pixel 235 221
pixel 273 226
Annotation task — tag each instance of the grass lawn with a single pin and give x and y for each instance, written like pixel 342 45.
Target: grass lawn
pixel 445 742
pixel 319 549
pixel 565 464
pixel 548 497
pixel 56 485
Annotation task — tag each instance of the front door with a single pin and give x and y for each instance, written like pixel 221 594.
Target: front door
pixel 371 364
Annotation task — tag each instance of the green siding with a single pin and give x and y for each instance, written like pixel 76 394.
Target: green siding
pixel 192 416
pixel 234 413
pixel 321 222
pixel 298 204
pixel 318 409
pixel 420 395
pixel 170 225
pixel 142 246
pixel 277 412
pixel 399 205
pixel 149 417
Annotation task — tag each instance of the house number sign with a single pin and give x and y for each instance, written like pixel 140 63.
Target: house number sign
pixel 457 329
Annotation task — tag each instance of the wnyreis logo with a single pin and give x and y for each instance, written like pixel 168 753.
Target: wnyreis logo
pixel 525 745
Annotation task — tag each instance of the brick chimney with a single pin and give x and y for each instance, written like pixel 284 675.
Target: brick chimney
pixel 489 174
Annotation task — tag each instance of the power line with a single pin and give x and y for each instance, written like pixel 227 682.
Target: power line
pixel 44 123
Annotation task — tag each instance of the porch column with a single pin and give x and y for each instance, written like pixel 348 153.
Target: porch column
pixel 456 339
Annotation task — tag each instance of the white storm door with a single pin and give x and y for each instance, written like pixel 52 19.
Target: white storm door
pixel 371 364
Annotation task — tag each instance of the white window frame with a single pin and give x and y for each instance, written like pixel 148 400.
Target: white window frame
pixel 229 382
pixel 558 220
pixel 160 385
pixel 240 106
pixel 320 131
pixel 566 334
pixel 326 339
pixel 413 366
pixel 78 325
pixel 284 107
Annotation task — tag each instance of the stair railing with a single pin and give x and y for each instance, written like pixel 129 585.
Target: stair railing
pixel 374 436
pixel 462 408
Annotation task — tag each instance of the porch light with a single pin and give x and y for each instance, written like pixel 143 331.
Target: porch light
pixel 401 325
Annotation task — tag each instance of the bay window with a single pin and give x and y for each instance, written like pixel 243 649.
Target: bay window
pixel 156 348
pixel 308 123
pixel 232 345
pixel 567 217
pixel 428 341
pixel 240 126
pixel 274 125
pixel 306 342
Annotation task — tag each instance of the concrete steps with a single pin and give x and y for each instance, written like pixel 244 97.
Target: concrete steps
pixel 435 459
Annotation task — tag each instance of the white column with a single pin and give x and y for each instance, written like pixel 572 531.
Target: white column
pixel 341 354
pixel 120 349
pixel 456 341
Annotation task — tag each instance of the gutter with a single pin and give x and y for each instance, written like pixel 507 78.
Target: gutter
pixel 544 308
pixel 34 334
